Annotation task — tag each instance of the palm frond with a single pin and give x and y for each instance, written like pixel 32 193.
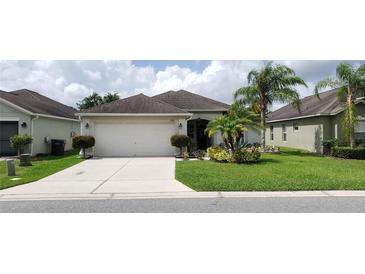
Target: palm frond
pixel 341 94
pixel 327 82
pixel 287 95
pixel 344 72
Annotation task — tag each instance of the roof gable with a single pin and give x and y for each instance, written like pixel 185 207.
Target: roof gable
pixel 190 101
pixel 37 103
pixel 136 104
pixel 326 104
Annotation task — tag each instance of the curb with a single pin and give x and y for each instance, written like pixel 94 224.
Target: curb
pixel 180 195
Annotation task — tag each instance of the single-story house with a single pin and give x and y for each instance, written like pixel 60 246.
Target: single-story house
pixel 28 112
pixel 142 126
pixel 318 119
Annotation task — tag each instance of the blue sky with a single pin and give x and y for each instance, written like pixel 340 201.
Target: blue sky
pixel 70 81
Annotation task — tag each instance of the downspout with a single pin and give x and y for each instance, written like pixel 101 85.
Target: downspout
pixel 32 132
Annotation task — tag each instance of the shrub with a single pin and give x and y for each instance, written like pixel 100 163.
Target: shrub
pixel 219 154
pixel 20 141
pixel 180 141
pixel 328 145
pixel 247 155
pixel 83 142
pixel 348 153
pixel 360 142
pixel 199 153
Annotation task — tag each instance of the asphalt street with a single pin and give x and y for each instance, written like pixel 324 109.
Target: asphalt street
pixel 191 205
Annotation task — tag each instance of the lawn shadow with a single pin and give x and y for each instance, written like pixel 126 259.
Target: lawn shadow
pixel 269 160
pixel 53 157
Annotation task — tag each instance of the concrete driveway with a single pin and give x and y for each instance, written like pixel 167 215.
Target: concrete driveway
pixel 108 176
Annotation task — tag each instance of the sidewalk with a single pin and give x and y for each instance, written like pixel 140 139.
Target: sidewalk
pixel 177 195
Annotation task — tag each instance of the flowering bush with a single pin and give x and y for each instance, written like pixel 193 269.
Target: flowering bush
pixel 219 154
pixel 247 155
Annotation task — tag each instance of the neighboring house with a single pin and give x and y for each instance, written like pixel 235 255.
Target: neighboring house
pixel 27 112
pixel 318 119
pixel 142 126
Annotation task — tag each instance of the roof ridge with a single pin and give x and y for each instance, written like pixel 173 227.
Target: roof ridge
pixel 131 97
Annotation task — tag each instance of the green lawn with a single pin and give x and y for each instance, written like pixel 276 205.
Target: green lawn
pixel 289 170
pixel 41 167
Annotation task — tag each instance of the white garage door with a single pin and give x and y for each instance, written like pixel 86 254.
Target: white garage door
pixel 125 138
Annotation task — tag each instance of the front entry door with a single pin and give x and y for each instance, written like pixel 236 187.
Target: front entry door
pixel 7 130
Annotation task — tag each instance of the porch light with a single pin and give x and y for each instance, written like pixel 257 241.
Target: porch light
pixel 180 126
pixel 87 125
pixel 24 124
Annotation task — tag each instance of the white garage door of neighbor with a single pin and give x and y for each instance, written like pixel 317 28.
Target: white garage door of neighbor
pixel 134 139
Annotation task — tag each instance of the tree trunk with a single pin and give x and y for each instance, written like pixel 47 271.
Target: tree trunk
pixel 351 121
pixel 84 152
pixel 263 129
pixel 180 151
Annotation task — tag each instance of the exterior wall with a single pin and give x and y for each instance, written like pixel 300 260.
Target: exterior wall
pixel 337 123
pixel 40 128
pixel 312 131
pixel 51 128
pixel 92 121
pixel 8 113
pixel 252 136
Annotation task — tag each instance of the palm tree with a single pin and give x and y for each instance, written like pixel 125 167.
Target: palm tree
pixel 272 83
pixel 110 97
pixel 232 125
pixel 350 84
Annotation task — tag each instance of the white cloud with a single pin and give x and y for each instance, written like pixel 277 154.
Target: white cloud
pixel 93 75
pixel 75 92
pixel 70 81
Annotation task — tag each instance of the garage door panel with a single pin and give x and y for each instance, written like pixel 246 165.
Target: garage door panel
pixel 134 139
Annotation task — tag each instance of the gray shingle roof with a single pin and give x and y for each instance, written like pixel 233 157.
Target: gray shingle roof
pixel 190 101
pixel 136 104
pixel 326 104
pixel 37 103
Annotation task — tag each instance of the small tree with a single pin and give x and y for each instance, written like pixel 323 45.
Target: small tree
pixel 20 141
pixel 180 141
pixel 83 142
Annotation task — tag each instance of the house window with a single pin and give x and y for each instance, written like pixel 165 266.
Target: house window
pixel 283 128
pixel 295 126
pixel 272 133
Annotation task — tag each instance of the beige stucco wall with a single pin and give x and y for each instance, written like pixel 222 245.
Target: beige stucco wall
pixel 42 127
pixel 52 129
pixel 312 131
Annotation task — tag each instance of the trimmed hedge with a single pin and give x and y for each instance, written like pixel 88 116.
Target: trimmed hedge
pixel 83 142
pixel 180 141
pixel 348 153
pixel 20 141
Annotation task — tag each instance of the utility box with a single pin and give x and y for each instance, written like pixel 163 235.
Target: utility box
pixel 58 147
